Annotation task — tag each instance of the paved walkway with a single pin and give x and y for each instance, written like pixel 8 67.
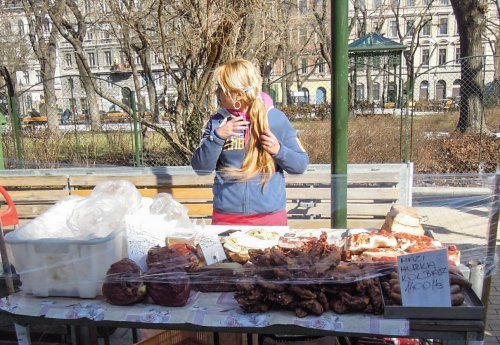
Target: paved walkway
pixel 466 226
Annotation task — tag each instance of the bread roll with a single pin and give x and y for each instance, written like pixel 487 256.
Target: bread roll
pixel 412 230
pixel 403 219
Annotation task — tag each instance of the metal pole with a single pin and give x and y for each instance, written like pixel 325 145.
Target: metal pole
pixel 339 17
pixel 2 163
pixel 492 241
pixel 137 137
pixel 16 125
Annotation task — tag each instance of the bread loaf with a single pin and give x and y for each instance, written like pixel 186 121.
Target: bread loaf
pixel 403 219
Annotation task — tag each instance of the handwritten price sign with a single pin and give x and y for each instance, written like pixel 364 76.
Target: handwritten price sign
pixel 424 279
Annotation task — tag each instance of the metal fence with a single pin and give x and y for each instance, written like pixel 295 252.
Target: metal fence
pixel 393 118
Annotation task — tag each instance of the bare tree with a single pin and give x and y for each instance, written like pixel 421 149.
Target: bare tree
pixel 470 17
pixel 492 36
pixel 411 36
pixel 73 25
pixel 43 37
pixel 136 23
pixel 15 53
pixel 190 39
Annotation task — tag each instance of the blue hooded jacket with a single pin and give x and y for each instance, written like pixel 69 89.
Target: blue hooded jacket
pixel 247 197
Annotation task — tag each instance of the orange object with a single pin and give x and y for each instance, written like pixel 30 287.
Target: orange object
pixel 9 216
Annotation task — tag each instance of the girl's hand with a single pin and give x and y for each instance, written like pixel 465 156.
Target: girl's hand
pixel 231 128
pixel 270 143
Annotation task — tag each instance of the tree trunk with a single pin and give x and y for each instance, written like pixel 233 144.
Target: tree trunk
pixel 50 100
pixel 48 68
pixel 88 86
pixel 45 51
pixel 496 78
pixel 469 15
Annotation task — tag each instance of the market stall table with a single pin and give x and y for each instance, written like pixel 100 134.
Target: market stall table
pixel 219 312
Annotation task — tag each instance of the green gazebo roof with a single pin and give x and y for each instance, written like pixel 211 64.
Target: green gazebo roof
pixel 374 42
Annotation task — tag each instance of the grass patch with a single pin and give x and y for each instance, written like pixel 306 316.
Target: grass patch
pixel 433 145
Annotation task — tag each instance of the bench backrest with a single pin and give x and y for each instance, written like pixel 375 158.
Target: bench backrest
pixel 372 189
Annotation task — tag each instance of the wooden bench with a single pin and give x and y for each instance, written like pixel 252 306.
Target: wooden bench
pixel 34 194
pixel 372 189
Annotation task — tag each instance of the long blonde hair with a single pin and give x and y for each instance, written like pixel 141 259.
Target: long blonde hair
pixel 242 77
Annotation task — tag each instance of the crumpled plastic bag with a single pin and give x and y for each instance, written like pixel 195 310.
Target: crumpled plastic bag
pixel 172 210
pixel 152 223
pixel 50 224
pixel 104 210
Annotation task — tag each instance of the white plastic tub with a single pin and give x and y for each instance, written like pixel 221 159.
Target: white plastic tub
pixel 66 267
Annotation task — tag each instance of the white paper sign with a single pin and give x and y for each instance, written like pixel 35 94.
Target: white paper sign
pixel 424 279
pixel 212 249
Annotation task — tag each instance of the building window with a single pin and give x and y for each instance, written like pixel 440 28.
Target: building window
pixel 410 27
pixel 410 3
pixel 442 56
pixel 87 6
pixel 443 26
pixel 108 57
pixel 393 28
pixel 376 91
pixel 318 4
pixel 156 58
pixel 68 60
pixel 109 84
pixel 91 59
pixel 440 90
pixel 444 2
pixel 321 65
pixel 424 91
pixel 105 7
pixel 302 35
pixel 428 2
pixel 89 36
pixel 46 25
pixel 303 66
pixel 137 60
pixel 360 92
pixel 458 55
pixel 106 34
pixel 425 56
pixel 426 29
pixel 38 76
pixel 455 92
pixel 377 3
pixel 158 79
pixel 302 6
pixel 320 95
pixel 391 92
pixel 26 77
pixel 8 28
pixel 20 26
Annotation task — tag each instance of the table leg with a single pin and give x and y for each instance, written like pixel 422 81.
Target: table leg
pixel 23 334
pixel 82 335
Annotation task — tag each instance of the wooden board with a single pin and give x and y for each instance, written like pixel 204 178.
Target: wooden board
pixel 33 181
pixel 163 180
pixel 34 195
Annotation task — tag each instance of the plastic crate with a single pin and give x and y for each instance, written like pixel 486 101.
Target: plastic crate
pixel 178 338
pixel 65 267
pixel 191 338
